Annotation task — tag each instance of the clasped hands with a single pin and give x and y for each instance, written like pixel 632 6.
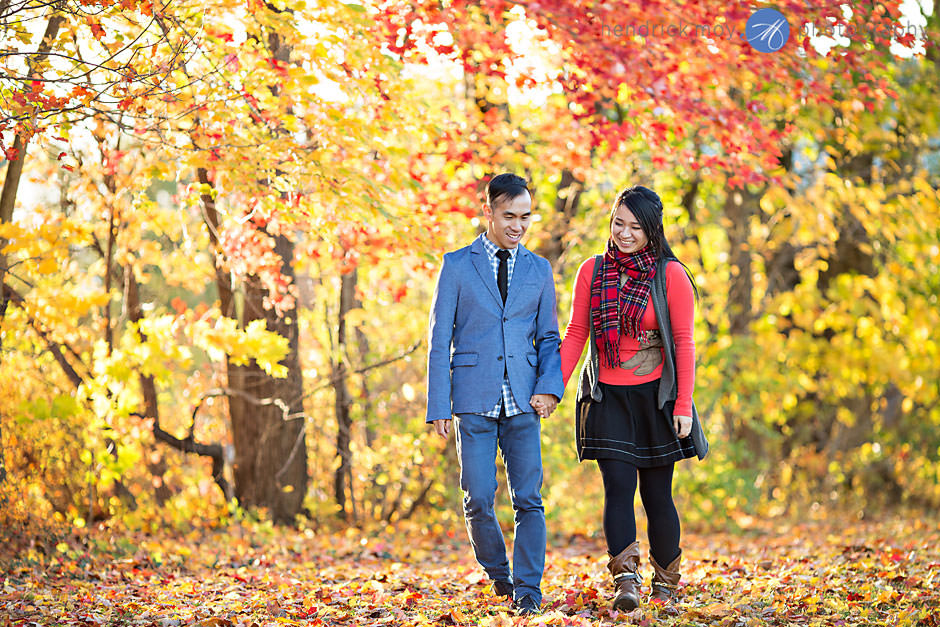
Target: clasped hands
pixel 543 404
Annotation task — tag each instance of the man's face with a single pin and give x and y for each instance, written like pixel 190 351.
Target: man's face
pixel 508 220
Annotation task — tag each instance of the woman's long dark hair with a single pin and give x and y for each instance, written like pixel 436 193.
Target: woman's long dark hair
pixel 647 208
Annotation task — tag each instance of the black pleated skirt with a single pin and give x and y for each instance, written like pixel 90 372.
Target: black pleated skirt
pixel 629 426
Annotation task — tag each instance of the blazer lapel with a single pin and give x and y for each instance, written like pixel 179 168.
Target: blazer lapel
pixel 520 272
pixel 482 264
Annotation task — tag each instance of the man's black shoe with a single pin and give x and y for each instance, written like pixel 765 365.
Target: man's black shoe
pixel 502 588
pixel 526 606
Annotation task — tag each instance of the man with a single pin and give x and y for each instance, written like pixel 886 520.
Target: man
pixel 493 364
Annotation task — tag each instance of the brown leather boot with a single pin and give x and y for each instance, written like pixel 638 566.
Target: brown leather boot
pixel 623 567
pixel 665 582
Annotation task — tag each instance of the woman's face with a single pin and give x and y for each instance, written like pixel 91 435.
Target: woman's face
pixel 626 231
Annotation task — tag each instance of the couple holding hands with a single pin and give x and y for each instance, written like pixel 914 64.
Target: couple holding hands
pixel 496 367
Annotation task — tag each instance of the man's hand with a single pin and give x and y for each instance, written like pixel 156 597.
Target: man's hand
pixel 442 427
pixel 682 425
pixel 544 404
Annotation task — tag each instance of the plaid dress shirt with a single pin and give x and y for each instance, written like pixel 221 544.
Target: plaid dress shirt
pixel 506 399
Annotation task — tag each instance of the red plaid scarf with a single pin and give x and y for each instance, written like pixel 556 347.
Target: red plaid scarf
pixel 614 307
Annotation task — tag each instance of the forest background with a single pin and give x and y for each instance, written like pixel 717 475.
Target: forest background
pixel 221 224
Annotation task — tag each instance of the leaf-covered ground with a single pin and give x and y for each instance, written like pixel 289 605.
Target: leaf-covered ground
pixel 834 573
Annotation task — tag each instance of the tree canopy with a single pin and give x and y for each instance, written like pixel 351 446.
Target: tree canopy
pixel 221 223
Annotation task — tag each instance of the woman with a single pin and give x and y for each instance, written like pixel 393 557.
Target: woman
pixel 635 369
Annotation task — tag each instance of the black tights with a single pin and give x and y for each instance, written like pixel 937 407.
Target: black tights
pixel 620 480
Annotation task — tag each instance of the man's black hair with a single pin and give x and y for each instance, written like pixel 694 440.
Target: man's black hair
pixel 505 187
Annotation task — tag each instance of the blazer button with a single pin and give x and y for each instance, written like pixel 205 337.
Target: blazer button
pixel 505 319
pixel 500 358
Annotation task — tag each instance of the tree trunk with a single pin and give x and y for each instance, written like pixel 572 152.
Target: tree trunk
pixel 740 207
pixel 148 386
pixel 343 474
pixel 15 168
pixel 270 468
pixel 362 342
pixel 109 259
pixel 270 445
pixel 3 465
pixel 567 203
pixel 11 183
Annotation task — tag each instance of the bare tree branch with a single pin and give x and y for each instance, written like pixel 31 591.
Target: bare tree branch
pixel 333 378
pixel 51 345
pixel 189 445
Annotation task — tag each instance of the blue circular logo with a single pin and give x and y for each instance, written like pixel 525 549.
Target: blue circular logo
pixel 767 30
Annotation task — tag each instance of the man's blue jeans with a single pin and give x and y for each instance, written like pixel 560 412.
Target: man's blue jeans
pixel 519 439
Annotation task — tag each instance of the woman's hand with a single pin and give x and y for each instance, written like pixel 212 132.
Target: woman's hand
pixel 682 425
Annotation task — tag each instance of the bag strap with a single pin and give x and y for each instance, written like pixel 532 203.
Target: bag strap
pixel 659 284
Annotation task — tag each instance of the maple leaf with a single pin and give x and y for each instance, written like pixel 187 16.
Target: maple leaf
pixel 96 29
